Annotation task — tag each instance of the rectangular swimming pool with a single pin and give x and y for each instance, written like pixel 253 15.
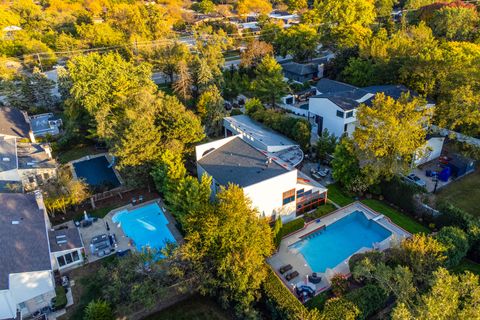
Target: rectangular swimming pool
pixel 330 246
pixel 147 226
pixel 97 172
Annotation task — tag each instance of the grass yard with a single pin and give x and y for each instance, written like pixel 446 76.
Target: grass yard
pixel 75 153
pixel 467 265
pixel 396 216
pixel 337 195
pixel 194 308
pixel 463 193
pixel 99 213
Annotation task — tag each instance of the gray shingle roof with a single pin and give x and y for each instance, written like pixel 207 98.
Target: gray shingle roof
pixel 23 245
pixel 13 123
pixel 8 154
pixel 65 239
pixel 300 68
pixel 239 163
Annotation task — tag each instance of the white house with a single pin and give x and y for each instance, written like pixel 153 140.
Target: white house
pixel 275 188
pixel 26 277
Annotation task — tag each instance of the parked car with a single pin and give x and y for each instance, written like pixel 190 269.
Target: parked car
pixel 413 178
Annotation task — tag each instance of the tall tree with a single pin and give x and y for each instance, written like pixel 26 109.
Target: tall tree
pixel 256 50
pixel 389 133
pixel 183 85
pixel 345 24
pixel 228 244
pixel 211 108
pixel 300 41
pixel 269 85
pixel 167 58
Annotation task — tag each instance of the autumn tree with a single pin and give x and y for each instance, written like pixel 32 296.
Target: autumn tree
pixel 245 7
pixel 167 58
pixel 345 24
pixel 218 241
pixel 183 85
pixel 210 106
pixel 450 297
pixel 389 133
pixel 269 85
pixel 256 50
pixel 457 23
pixel 300 41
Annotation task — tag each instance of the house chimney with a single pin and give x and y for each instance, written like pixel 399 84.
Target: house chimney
pixel 48 150
pixel 39 199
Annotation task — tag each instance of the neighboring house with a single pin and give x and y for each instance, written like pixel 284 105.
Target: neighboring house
pixel 45 124
pixel 334 107
pixel 263 138
pixel 276 189
pixel 303 72
pixel 14 123
pixel 23 164
pixel 431 151
pixel 26 278
pixel 66 247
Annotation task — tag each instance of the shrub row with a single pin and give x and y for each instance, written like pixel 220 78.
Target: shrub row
pixel 280 302
pixel 287 228
pixel 401 193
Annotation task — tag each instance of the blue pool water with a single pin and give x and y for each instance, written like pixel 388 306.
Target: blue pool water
pixel 146 226
pixel 96 172
pixel 329 247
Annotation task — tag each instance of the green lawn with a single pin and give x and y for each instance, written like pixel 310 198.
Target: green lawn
pixel 463 193
pixel 99 213
pixel 195 308
pixel 75 153
pixel 396 216
pixel 337 195
pixel 467 265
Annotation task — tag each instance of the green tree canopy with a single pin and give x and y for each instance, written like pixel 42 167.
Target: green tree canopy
pixel 269 85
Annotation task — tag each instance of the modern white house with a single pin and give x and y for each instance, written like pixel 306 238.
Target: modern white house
pixel 276 189
pixel 26 277
pixel 263 138
pixel 335 105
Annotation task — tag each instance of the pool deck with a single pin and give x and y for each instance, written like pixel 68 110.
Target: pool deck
pixel 123 242
pixel 286 255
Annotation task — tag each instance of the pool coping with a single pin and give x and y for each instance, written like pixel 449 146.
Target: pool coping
pixel 275 260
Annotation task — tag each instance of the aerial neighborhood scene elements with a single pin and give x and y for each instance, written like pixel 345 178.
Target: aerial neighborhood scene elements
pixel 240 159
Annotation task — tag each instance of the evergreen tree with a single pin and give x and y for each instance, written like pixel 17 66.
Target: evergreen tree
pixel 269 85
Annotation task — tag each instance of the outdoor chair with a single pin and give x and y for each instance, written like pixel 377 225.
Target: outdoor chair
pixel 285 268
pixel 291 275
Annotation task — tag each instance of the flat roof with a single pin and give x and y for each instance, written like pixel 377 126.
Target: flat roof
pixel 40 123
pixel 239 163
pixel 23 236
pixel 32 156
pixel 259 132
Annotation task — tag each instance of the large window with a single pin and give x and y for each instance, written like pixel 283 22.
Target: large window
pixel 349 114
pixel 68 258
pixel 339 114
pixel 288 196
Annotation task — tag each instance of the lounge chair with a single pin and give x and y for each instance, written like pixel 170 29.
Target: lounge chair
pixel 291 275
pixel 285 268
pixel 140 198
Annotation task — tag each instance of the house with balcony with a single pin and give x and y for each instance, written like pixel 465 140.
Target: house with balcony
pixel 277 189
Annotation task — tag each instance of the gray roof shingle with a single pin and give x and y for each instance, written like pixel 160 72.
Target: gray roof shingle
pixel 23 243
pixel 13 123
pixel 239 163
pixel 64 239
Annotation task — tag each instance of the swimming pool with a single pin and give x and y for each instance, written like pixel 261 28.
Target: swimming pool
pixel 97 172
pixel 146 226
pixel 328 247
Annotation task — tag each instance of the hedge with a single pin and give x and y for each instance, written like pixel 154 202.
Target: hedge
pixel 369 299
pixel 456 242
pixel 281 303
pixel 288 228
pixel 321 211
pixel 61 299
pixel 401 193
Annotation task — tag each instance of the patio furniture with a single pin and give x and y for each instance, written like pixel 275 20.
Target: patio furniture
pixel 86 223
pixel 314 278
pixel 140 198
pixel 291 275
pixel 285 268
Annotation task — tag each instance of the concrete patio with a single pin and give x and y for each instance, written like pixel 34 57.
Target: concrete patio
pixel 288 255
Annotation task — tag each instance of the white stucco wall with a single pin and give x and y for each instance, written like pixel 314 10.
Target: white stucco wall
pixel 200 149
pixel 28 285
pixel 328 110
pixel 431 151
pixel 267 196
pixel 7 305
